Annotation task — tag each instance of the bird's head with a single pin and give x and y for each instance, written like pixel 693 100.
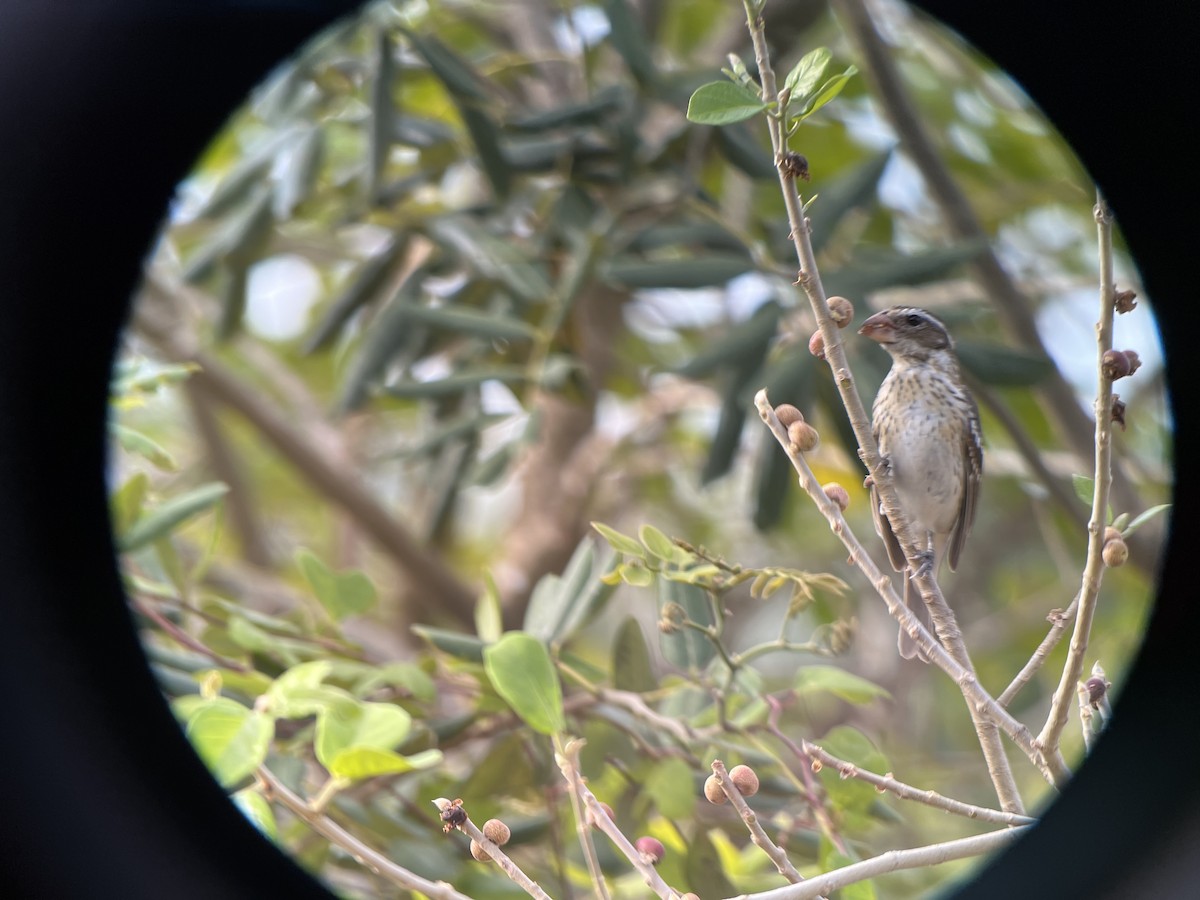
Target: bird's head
pixel 907 332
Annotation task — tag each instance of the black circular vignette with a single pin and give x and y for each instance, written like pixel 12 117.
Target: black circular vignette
pixel 104 107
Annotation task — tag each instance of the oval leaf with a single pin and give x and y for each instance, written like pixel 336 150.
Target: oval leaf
pixel 722 103
pixel 341 593
pixel 521 671
pixel 231 739
pixel 850 687
pixel 168 516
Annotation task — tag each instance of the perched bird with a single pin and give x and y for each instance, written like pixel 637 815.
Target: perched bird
pixel 927 426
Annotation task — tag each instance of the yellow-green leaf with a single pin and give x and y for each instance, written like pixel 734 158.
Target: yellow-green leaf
pixel 521 671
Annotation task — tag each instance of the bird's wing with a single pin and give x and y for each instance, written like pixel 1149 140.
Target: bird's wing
pixel 972 477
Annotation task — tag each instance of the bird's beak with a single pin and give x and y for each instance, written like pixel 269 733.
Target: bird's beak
pixel 879 328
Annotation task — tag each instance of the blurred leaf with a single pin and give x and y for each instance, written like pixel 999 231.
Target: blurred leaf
pixel 1085 488
pixel 631 668
pixel 586 112
pixel 705 875
pixel 622 543
pixel 731 422
pixel 628 36
pixel 361 288
pixel 559 605
pixel 520 670
pixel 492 258
pixel 670 785
pixel 169 515
pixel 254 806
pixel 635 574
pixel 709 235
pixel 459 77
pixel 383 112
pixel 299 175
pixel 231 739
pixel 743 150
pixel 356 763
pixel 486 137
pixel 414 131
pixel 492 326
pixel 251 637
pixel 358 725
pixel 135 442
pixel 342 594
pixel 723 103
pixel 463 646
pixel 773 480
pixel 489 617
pixel 804 76
pixel 126 503
pixel 687 648
pixel 850 191
pixel 863 275
pixel 1003 366
pixel 846 685
pixel 743 343
pixel 659 544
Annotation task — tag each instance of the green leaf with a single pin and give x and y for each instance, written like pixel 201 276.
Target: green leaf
pixel 458 382
pixel 486 137
pixel 254 806
pixel 705 874
pixel 855 189
pixel 692 272
pixel 356 724
pixel 866 273
pixel 521 671
pixel 636 575
pixel 357 763
pixel 658 543
pixel 383 110
pixel 301 167
pixel 361 288
pixel 631 668
pixel 560 604
pixel 723 103
pixel 451 69
pixel 488 614
pixel 1145 517
pixel 463 646
pixel 828 92
pixel 628 35
pixel 136 442
pixel 669 784
pixel 743 150
pixel 342 594
pixel 744 344
pixel 168 516
pixel 622 543
pixel 491 257
pixel 807 72
pixel 1085 488
pixel 231 739
pixel 127 502
pixel 473 322
pixel 850 687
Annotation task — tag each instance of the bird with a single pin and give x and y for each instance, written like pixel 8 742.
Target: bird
pixel 926 423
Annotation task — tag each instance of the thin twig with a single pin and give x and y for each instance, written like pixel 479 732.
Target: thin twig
pixel 568 764
pixel 502 859
pixel 774 852
pixel 182 637
pixel 893 861
pixel 274 789
pixel 810 279
pixel 583 829
pixel 1093 570
pixel 886 783
pixel 1059 619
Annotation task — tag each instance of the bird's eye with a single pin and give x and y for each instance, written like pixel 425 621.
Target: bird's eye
pixel 913 319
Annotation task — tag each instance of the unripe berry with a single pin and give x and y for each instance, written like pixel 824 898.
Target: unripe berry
pixel 816 345
pixel 745 780
pixel 651 849
pixel 713 790
pixel 841 311
pixel 803 436
pixel 1111 534
pixel 787 414
pixel 496 832
pixel 608 811
pixel 1115 553
pixel 478 852
pixel 837 494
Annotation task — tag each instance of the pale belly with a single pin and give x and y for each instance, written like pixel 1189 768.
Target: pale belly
pixel 928 472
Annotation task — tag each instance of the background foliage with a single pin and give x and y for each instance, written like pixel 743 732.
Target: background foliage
pixel 460 279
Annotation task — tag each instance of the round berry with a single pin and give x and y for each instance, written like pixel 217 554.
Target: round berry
pixel 745 780
pixel 841 311
pixel 816 345
pixel 1116 553
pixel 803 436
pixel 787 414
pixel 713 790
pixel 837 494
pixel 496 832
pixel 478 852
pixel 652 849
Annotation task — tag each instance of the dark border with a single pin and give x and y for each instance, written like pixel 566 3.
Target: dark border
pixel 104 105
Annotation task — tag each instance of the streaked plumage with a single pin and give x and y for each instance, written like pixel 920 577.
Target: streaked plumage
pixel 927 426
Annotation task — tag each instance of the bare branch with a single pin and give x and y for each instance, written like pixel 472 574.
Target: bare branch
pixel 776 853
